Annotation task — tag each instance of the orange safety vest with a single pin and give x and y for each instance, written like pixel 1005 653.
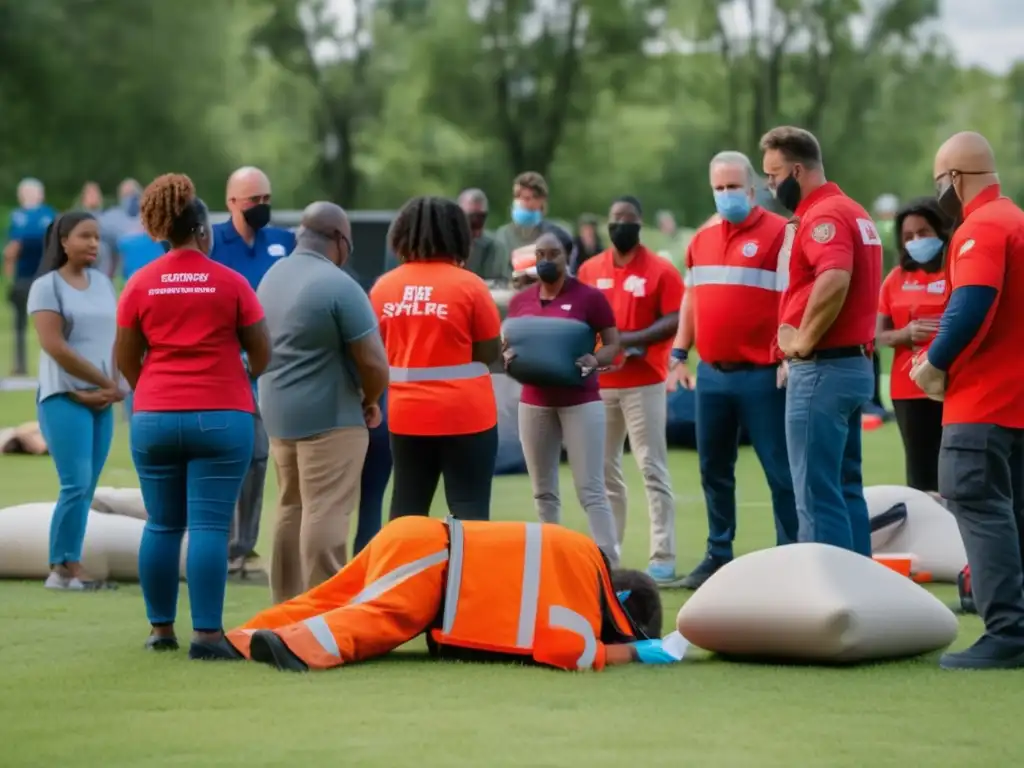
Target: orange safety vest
pixel 533 591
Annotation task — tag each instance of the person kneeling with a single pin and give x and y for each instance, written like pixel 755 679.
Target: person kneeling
pixel 569 610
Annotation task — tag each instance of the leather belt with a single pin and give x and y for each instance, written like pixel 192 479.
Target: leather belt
pixel 742 366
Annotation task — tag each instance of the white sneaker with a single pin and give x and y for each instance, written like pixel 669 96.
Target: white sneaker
pixel 56 581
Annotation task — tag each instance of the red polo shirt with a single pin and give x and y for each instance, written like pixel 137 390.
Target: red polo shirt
pixel 644 290
pixel 910 295
pixel 834 232
pixel 986 381
pixel 735 290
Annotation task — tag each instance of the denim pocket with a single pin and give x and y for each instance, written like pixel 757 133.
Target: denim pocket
pixel 151 431
pixel 212 421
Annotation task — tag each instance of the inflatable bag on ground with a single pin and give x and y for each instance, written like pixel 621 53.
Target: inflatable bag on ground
pixel 126 502
pixel 510 460
pixel 546 350
pixel 814 603
pixel 111 544
pixel 929 533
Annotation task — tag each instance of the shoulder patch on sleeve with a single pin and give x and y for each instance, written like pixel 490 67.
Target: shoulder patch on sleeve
pixel 965 247
pixel 824 232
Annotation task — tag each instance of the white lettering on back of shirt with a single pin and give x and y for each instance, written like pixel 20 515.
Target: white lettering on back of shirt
pixel 184 277
pixel 416 302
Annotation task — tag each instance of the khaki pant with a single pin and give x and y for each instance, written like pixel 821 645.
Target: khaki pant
pixel 318 489
pixel 640 413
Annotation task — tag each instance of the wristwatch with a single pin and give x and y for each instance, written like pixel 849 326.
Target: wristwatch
pixel 678 356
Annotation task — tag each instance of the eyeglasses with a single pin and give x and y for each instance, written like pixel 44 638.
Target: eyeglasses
pixel 253 199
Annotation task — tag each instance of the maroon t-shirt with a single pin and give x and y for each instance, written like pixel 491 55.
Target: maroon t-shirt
pixel 575 301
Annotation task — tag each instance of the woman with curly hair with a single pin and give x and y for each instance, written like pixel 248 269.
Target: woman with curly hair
pixel 183 322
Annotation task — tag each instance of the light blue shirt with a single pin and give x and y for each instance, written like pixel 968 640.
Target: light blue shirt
pixel 90 325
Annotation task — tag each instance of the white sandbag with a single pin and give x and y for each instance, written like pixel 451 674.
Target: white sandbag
pixel 111 550
pixel 126 502
pixel 930 532
pixel 814 603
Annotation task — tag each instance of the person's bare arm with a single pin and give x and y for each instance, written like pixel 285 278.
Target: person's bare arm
pixel 11 253
pixel 610 347
pixel 488 351
pixel 50 330
pixel 614 655
pixel 255 341
pixel 684 335
pixel 371 361
pixel 129 349
pixel 827 297
pixel 663 328
pixel 887 336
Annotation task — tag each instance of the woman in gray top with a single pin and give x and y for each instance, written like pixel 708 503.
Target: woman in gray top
pixel 74 309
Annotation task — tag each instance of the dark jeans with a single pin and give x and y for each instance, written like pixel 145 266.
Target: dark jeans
pixel 465 461
pixel 981 475
pixel 18 296
pixel 920 423
pixel 245 525
pixel 727 401
pixel 191 465
pixel 376 473
pixel 824 399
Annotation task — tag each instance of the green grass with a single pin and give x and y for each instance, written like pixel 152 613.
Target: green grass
pixel 76 688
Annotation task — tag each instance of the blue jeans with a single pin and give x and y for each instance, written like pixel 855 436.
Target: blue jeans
pixel 191 465
pixel 727 402
pixel 824 400
pixel 78 439
pixel 376 473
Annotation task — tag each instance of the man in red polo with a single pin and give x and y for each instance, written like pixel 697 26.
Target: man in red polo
pixel 974 366
pixel 731 311
pixel 828 313
pixel 645 291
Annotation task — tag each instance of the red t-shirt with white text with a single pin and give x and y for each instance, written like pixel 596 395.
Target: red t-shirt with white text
pixel 189 308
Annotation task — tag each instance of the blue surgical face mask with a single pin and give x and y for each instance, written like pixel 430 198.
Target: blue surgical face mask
pixel 924 249
pixel 733 205
pixel 523 217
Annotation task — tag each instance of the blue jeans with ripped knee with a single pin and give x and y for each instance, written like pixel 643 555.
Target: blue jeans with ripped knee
pixel 191 465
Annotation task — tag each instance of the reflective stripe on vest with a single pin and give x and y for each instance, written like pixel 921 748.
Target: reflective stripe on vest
pixel 317 625
pixel 750 277
pixel 439 373
pixel 559 617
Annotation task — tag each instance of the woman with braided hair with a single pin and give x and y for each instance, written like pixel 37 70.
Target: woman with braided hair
pixel 441 330
pixel 183 323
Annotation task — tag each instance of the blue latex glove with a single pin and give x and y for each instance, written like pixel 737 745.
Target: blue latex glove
pixel 653 652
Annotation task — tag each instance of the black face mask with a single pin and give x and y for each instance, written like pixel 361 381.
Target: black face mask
pixel 950 203
pixel 258 216
pixel 625 235
pixel 788 193
pixel 477 222
pixel 548 272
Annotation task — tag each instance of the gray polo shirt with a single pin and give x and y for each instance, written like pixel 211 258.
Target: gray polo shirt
pixel 90 325
pixel 314 311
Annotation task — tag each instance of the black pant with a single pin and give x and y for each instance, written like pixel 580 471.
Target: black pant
pixel 18 297
pixel 981 475
pixel 920 423
pixel 465 461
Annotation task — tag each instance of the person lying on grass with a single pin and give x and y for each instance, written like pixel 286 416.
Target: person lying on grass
pixel 529 592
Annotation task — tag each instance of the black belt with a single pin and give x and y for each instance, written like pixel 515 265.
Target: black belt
pixel 837 353
pixel 744 366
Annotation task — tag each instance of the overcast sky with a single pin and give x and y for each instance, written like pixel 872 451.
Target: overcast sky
pixel 988 33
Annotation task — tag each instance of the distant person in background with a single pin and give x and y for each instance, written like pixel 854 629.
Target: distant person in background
pixel 249 245
pixel 645 292
pixel 74 308
pixel 441 331
pixel 667 224
pixel 183 322
pixel 91 198
pixel 486 259
pixel 884 210
pixel 23 256
pixel 587 242
pixel 914 296
pixel 117 222
pixel 137 251
pixel 318 396
pixel 571 415
pixel 529 207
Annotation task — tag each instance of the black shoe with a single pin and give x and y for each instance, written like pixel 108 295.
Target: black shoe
pixel 989 652
pixel 708 567
pixel 222 650
pixel 267 648
pixel 158 643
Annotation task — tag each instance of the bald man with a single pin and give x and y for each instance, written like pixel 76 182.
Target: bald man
pixel 248 245
pixel 974 366
pixel 486 259
pixel 319 396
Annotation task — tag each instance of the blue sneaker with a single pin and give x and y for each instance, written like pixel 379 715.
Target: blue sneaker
pixel 662 573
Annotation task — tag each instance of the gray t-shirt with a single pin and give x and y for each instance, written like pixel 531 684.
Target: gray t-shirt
pixel 313 310
pixel 90 325
pixel 115 223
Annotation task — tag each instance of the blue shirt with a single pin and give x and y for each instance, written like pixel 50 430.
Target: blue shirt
pixel 137 251
pixel 28 227
pixel 252 263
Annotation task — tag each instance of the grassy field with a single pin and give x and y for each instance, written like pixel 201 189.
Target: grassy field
pixel 77 689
